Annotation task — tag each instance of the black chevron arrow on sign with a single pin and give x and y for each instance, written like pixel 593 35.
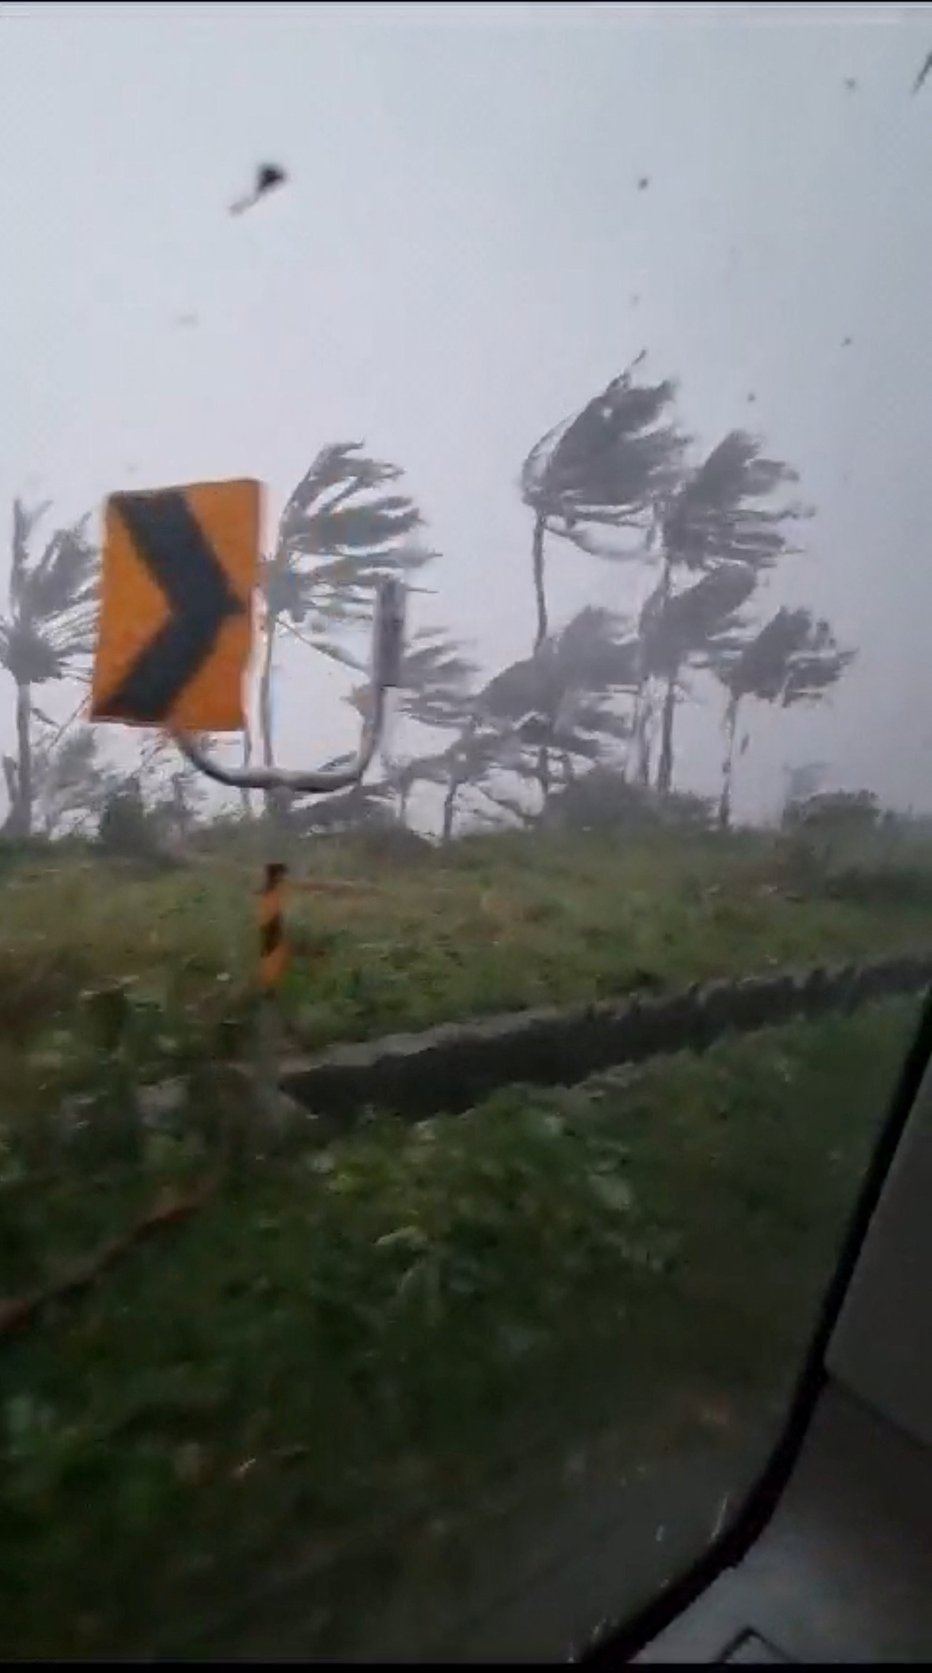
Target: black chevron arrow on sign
pixel 168 538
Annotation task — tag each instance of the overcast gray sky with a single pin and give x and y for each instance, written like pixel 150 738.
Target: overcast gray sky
pixel 451 269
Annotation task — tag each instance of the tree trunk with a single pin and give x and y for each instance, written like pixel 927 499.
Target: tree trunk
pixel 543 774
pixel 643 739
pixel 665 764
pixel 728 765
pixel 634 740
pixel 20 820
pixel 403 795
pixel 646 703
pixel 449 808
pixel 537 549
pixel 11 779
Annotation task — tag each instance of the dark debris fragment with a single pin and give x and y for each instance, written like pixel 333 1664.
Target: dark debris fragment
pixel 268 176
pixel 923 73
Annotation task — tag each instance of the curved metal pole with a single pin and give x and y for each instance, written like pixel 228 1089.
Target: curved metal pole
pixel 387 645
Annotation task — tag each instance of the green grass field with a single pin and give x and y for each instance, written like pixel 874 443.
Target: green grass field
pixel 346 1350
pixel 490 924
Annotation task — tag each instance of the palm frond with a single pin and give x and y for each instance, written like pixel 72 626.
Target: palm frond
pixel 338 537
pixel 28 655
pixel 678 627
pixel 360 530
pixel 719 512
pixel 326 647
pixel 792 659
pixel 50 622
pixel 64 576
pixel 610 463
pixel 25 521
pixel 338 469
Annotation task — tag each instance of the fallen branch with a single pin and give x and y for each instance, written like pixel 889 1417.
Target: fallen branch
pixel 17 1313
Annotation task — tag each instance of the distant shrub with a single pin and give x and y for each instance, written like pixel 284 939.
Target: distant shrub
pixel 391 843
pixel 833 812
pixel 602 800
pixel 125 828
pixel 881 885
pixel 20 851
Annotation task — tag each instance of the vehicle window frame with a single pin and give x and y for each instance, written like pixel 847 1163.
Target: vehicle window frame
pixel 622 1640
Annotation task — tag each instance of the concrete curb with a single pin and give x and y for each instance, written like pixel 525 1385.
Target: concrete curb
pixel 450 1067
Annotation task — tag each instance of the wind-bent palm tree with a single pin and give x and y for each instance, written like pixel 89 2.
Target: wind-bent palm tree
pixel 795 658
pixel 438 680
pixel 437 690
pixel 46 633
pixel 472 759
pixel 337 537
pixel 677 630
pixel 69 780
pixel 561 699
pixel 602 469
pixel 723 513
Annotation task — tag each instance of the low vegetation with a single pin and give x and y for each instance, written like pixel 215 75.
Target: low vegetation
pixel 345 1348
pixel 166 959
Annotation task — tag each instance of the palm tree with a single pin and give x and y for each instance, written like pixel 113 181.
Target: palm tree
pixel 676 630
pixel 437 680
pixel 471 759
pixel 437 690
pixel 68 779
pixel 602 469
pixel 580 730
pixel 46 632
pixel 723 513
pixel 720 512
pixel 562 698
pixel 337 537
pixel 560 702
pixel 794 658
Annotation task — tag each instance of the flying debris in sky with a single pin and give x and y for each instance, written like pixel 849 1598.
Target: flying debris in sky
pixel 268 176
pixel 752 397
pixel 846 342
pixel 927 66
pixel 851 84
pixel 643 182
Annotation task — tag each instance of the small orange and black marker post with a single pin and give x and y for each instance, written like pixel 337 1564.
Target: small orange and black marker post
pixel 273 944
pixel 273 959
